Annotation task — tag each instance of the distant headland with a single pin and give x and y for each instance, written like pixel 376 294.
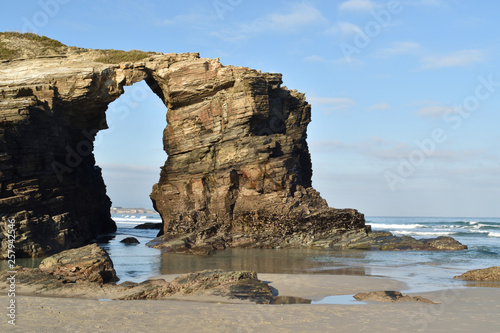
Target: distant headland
pixel 122 210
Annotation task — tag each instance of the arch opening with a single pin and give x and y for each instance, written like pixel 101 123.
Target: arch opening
pixel 130 152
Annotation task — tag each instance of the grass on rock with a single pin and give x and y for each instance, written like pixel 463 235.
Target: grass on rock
pixel 45 44
pixel 117 56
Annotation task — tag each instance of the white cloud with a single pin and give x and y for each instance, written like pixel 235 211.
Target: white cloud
pixel 380 106
pixel 345 29
pixel 332 103
pixel 455 59
pixel 434 110
pixel 432 61
pixel 391 151
pixel 357 5
pixel 299 16
pixel 398 48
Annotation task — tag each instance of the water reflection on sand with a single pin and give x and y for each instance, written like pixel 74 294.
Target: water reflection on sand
pixel 282 261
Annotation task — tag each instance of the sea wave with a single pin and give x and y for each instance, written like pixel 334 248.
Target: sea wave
pixel 128 222
pixel 494 234
pixel 134 220
pixel 489 225
pixel 479 231
pixel 423 233
pixel 395 226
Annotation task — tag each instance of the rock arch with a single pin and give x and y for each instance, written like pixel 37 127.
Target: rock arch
pixel 238 171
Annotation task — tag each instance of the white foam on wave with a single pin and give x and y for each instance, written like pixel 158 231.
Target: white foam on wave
pixel 489 225
pixel 494 234
pixel 134 220
pixel 128 222
pixel 452 226
pixel 395 226
pixel 423 233
pixel 479 231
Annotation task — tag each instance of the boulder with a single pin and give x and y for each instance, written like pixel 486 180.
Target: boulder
pixel 149 225
pixel 390 296
pixel 386 241
pixel 485 274
pixel 233 284
pixel 130 241
pixel 89 263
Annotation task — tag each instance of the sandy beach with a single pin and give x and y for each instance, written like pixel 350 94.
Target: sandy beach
pixel 461 310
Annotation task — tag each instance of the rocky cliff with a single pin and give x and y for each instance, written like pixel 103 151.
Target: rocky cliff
pixel 238 171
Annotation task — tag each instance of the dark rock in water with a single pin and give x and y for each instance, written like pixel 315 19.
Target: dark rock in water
pixel 280 300
pixel 238 172
pixel 89 263
pixel 443 243
pixel 105 238
pixel 130 241
pixel 327 228
pixel 149 225
pixel 386 241
pixel 485 274
pixel 390 296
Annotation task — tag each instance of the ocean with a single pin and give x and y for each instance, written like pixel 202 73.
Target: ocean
pixel 421 270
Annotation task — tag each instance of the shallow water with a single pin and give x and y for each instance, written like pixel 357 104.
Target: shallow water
pixel 421 270
pixel 132 262
pixel 339 299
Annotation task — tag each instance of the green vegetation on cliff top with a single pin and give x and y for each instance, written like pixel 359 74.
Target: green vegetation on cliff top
pixel 12 50
pixel 6 53
pixel 28 45
pixel 117 56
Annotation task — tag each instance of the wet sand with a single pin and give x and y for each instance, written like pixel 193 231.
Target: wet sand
pixel 461 310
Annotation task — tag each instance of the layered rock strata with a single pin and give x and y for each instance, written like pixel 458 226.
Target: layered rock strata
pixel 484 274
pixel 390 296
pixel 238 171
pixel 386 241
pixel 88 263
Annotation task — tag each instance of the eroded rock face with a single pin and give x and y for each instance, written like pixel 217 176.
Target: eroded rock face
pixel 88 264
pixel 233 284
pixel 390 296
pixel 484 274
pixel 386 241
pixel 238 171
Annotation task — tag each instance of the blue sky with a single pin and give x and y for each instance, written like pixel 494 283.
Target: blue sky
pixel 404 94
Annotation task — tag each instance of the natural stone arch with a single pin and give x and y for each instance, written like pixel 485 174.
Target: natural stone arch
pixel 238 171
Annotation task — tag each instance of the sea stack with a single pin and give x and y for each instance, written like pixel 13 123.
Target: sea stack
pixel 238 172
